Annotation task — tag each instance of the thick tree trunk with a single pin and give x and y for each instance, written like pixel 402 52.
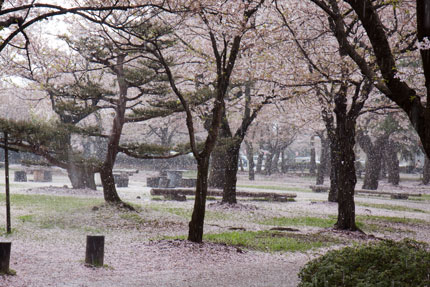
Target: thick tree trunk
pixel 268 164
pixel 426 171
pixel 346 180
pixel 81 176
pixel 392 163
pixel 217 167
pixel 324 160
pixel 259 162
pixel 274 167
pixel 250 157
pixel 232 158
pixel 195 233
pixel 374 159
pixel 345 165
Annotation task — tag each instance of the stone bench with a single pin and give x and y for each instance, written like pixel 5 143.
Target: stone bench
pixel 282 197
pixel 41 175
pixel 164 181
pixel 319 188
pixel 121 180
pixel 393 195
pixel 20 176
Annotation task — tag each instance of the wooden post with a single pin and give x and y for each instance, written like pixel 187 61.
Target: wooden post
pixel 95 250
pixel 6 163
pixel 4 257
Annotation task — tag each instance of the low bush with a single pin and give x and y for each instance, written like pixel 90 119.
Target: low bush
pixel 384 264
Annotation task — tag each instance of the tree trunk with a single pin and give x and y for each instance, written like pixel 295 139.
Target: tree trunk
pixel 346 180
pixel 268 164
pixel 312 164
pixel 250 157
pixel 242 169
pixel 335 161
pixel 217 167
pixel 259 162
pixel 109 190
pixel 426 171
pixel 345 165
pixel 392 163
pixel 232 158
pixel 81 177
pixel 324 159
pixel 274 167
pixel 195 233
pixel 374 160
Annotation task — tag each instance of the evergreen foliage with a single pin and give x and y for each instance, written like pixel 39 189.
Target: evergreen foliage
pixel 384 264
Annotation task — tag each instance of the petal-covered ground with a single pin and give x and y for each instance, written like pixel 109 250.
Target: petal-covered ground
pixel 50 223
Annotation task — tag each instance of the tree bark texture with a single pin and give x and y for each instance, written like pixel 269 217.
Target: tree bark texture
pixel 374 152
pixel 312 164
pixel 335 162
pixel 232 159
pixel 259 165
pixel 250 157
pixel 81 176
pixel 392 163
pixel 195 232
pixel 426 171
pixel 217 167
pixel 106 175
pixel 346 177
pixel 268 163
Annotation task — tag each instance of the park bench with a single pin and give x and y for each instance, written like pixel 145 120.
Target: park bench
pixel 121 176
pixel 172 179
pixel 393 195
pixel 40 174
pixel 217 192
pixel 20 176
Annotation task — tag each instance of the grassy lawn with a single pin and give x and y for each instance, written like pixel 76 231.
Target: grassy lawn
pixel 271 241
pixel 275 187
pixel 300 221
pixel 391 207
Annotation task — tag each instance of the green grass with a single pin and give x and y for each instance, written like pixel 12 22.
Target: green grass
pixel 271 241
pixel 423 197
pixel 181 212
pixel 186 213
pixel 273 187
pixel 391 207
pixel 389 219
pixel 365 223
pixel 26 218
pixel 13 185
pixel 51 202
pixel 300 221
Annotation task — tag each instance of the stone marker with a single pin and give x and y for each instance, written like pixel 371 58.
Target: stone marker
pixel 94 254
pixel 5 257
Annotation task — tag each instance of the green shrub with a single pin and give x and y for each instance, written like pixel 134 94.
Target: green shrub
pixel 385 264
